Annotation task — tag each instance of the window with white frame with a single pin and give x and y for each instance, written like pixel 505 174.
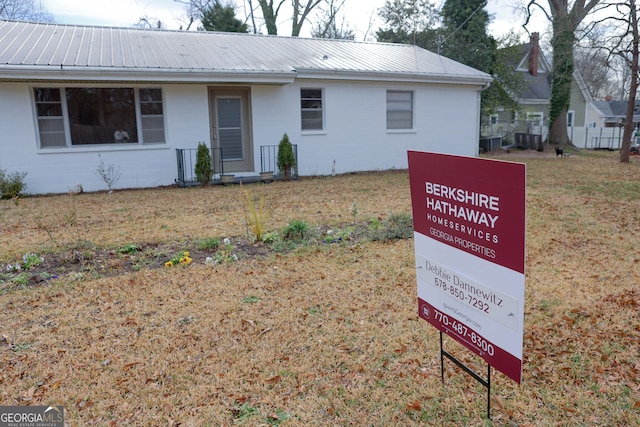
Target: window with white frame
pixel 399 110
pixel 69 117
pixel 311 110
pixel 493 119
pixel 535 117
pixel 570 115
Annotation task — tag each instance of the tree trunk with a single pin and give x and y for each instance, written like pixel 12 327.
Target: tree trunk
pixel 558 134
pixel 270 16
pixel 564 22
pixel 300 16
pixel 628 124
pixel 562 77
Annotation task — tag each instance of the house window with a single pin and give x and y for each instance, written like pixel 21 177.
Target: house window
pixel 50 121
pixel 536 118
pixel 151 115
pixel 570 119
pixel 399 109
pixel 311 109
pixel 493 119
pixel 87 116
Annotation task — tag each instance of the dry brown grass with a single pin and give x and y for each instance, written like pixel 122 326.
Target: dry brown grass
pixel 327 334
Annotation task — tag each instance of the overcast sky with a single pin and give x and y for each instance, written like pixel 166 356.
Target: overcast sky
pixel 124 13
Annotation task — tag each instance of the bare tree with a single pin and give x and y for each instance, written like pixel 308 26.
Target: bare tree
pixel 193 11
pixel 150 23
pixel 626 48
pixel 28 10
pixel 327 24
pixel 270 15
pixel 595 63
pixel 250 14
pixel 301 10
pixel 271 9
pixel 565 17
pixel 618 39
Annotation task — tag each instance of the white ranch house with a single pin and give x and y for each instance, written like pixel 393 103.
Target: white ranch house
pixel 73 96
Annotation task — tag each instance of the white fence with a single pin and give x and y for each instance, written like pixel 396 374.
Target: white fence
pixel 596 138
pixel 582 137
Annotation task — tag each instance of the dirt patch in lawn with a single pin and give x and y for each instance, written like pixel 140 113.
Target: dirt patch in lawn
pixel 322 333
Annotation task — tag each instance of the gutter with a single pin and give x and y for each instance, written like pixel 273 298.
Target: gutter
pixel 409 77
pixel 187 75
pixel 114 74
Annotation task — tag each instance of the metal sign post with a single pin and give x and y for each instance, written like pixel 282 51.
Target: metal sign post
pixel 486 383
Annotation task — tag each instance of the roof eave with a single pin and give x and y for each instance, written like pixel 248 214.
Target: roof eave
pixel 389 76
pixel 532 101
pixel 101 74
pixel 114 74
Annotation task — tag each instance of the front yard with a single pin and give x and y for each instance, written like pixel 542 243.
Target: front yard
pixel 319 331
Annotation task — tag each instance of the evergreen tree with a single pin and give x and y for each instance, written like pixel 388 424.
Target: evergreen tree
pixel 222 18
pixel 507 81
pixel 466 40
pixel 203 169
pixel 286 157
pixel 410 22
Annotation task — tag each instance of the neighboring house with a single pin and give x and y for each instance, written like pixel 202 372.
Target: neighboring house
pixel 605 122
pixel 611 113
pixel 73 96
pixel 534 99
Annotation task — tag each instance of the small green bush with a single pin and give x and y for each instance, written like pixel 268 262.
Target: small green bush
pixel 286 157
pixel 281 246
pixel 204 170
pixel 296 231
pixel 12 185
pixel 129 248
pixel 270 237
pixel 397 226
pixel 208 244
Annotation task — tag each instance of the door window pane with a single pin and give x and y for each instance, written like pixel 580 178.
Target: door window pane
pixel 229 111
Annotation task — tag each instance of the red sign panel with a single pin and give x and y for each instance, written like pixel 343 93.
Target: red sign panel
pixel 470 201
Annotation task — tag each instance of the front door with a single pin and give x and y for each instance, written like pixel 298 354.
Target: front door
pixel 231 130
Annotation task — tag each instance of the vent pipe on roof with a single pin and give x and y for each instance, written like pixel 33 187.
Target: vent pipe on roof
pixel 534 54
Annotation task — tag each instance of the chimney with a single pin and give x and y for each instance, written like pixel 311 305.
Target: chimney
pixel 534 55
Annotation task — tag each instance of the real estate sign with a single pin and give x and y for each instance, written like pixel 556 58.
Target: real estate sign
pixel 469 230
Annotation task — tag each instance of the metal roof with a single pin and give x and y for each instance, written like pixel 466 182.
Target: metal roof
pixel 43 50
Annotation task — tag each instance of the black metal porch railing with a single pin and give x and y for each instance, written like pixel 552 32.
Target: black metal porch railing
pixel 186 158
pixel 269 160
